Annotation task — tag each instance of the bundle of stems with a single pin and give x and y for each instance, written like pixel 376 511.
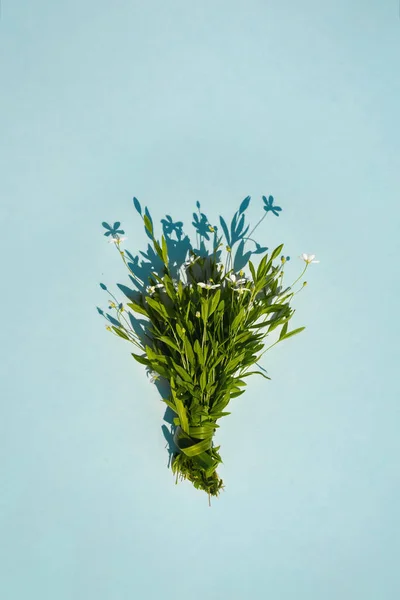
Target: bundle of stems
pixel 207 330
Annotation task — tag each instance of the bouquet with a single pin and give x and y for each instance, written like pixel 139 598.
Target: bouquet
pixel 199 315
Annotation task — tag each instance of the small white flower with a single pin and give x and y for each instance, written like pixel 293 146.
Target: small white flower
pixel 152 288
pixel 153 376
pixel 117 240
pixel 209 285
pixel 236 281
pixel 191 260
pixel 241 290
pixel 309 258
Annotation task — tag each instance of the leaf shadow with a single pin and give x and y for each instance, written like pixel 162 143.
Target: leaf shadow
pixel 146 266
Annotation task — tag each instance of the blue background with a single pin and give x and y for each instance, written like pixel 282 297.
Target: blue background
pixel 176 102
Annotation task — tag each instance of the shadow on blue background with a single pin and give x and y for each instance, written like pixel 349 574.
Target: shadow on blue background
pixel 148 266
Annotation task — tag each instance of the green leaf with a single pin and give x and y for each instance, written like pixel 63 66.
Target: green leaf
pixel 137 308
pixel 277 251
pixel 236 321
pixel 204 309
pixel 236 394
pixel 164 250
pixel 170 404
pixel 148 224
pixel 169 342
pixel 142 359
pixel 294 332
pixel 214 302
pixel 182 373
pixel 121 334
pixel 198 448
pixel 261 267
pixel 158 249
pixel 182 414
pixel 255 373
pixel 203 380
pixel 252 270
pixel 197 349
pixel 189 351
pixel 284 330
pixel 157 306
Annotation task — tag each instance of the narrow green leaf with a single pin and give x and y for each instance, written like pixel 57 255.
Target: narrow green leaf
pixel 157 306
pixel 197 349
pixel 170 404
pixel 204 309
pixel 277 251
pixel 255 373
pixel 203 380
pixel 284 330
pixel 182 373
pixel 137 308
pixel 141 359
pixel 148 224
pixel 121 334
pixel 164 250
pixel 189 351
pixel 253 271
pixel 294 332
pixel 182 414
pixel 169 342
pixel 214 302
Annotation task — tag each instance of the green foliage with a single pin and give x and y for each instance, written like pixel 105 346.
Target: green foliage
pixel 205 341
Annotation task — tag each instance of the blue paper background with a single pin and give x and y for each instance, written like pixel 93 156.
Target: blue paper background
pixel 176 102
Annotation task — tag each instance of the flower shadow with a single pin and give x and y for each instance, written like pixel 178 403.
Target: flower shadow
pixel 146 266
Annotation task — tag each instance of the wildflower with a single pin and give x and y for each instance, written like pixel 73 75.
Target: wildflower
pixel 241 290
pixel 191 260
pixel 309 258
pixel 209 285
pixel 153 376
pixel 117 239
pixel 152 288
pixel 269 207
pixel 198 314
pixel 237 281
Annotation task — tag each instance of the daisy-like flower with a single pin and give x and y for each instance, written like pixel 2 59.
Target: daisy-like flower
pixel 190 262
pixel 209 285
pixel 309 258
pixel 241 290
pixel 153 376
pixel 117 240
pixel 152 288
pixel 233 279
